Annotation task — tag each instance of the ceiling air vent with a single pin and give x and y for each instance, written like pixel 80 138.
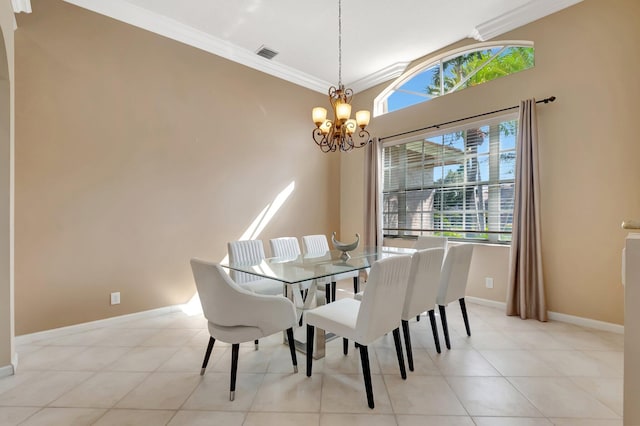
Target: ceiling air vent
pixel 265 52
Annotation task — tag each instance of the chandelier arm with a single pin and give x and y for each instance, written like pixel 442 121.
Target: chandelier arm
pixel 349 142
pixel 365 136
pixel 319 138
pixel 348 94
pixel 334 140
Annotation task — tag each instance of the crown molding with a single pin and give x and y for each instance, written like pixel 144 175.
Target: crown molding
pixel 167 27
pixel 131 14
pixel 520 16
pixel 389 73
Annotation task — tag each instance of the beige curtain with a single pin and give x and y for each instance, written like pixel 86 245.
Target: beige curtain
pixel 372 207
pixel 525 292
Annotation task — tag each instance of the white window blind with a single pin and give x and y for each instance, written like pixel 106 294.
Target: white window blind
pixel 458 184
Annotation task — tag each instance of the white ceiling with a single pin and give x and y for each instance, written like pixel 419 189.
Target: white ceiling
pixel 379 38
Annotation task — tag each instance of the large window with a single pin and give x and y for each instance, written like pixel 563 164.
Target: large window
pixel 457 184
pixel 454 71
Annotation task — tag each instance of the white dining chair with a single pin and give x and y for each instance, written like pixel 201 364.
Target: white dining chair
pixel 235 315
pixel 422 290
pixel 251 252
pixel 453 284
pixel 366 321
pixel 430 241
pixel 289 248
pixel 427 242
pixel 286 247
pixel 318 245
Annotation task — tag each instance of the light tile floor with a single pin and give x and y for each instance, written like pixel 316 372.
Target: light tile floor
pixel 146 372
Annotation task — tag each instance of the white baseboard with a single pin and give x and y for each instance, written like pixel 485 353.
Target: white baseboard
pixel 10 370
pixel 556 316
pixel 7 370
pixel 587 322
pixel 77 328
pixel 486 302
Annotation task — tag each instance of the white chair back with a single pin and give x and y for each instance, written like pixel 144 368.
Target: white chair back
pixel 287 247
pixel 383 300
pixel 245 252
pixel 218 293
pixel 455 273
pixel 315 244
pixel 430 241
pixel 424 281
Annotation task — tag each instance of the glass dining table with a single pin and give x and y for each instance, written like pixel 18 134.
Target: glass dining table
pixel 313 269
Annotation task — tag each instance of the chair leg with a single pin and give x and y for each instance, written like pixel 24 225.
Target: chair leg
pixel 327 293
pixel 463 307
pixel 292 349
pixel 417 317
pixel 235 348
pixel 434 329
pixel 366 372
pixel 345 345
pixel 407 343
pixel 333 291
pixel 396 339
pixel 207 355
pixel 356 285
pixel 255 343
pixel 310 331
pixel 445 329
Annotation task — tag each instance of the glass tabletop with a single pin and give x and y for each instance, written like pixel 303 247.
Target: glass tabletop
pixel 308 267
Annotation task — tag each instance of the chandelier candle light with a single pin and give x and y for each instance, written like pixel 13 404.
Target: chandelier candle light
pixel 339 133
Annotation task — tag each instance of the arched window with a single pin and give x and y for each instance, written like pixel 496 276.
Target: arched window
pixel 454 71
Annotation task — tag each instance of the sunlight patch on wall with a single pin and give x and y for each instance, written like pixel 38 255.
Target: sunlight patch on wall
pixel 193 307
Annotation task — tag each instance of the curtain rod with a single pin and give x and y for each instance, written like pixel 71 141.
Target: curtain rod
pixel 437 126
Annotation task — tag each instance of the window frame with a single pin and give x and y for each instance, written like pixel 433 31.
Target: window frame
pixel 494 205
pixel 380 105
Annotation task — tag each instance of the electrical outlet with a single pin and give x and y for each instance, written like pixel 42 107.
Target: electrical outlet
pixel 488 282
pixel 115 298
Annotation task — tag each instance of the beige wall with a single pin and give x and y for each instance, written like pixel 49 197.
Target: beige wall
pixel 632 332
pixel 6 184
pixel 136 153
pixel 588 150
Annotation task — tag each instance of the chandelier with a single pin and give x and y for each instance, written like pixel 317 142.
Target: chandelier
pixel 343 133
